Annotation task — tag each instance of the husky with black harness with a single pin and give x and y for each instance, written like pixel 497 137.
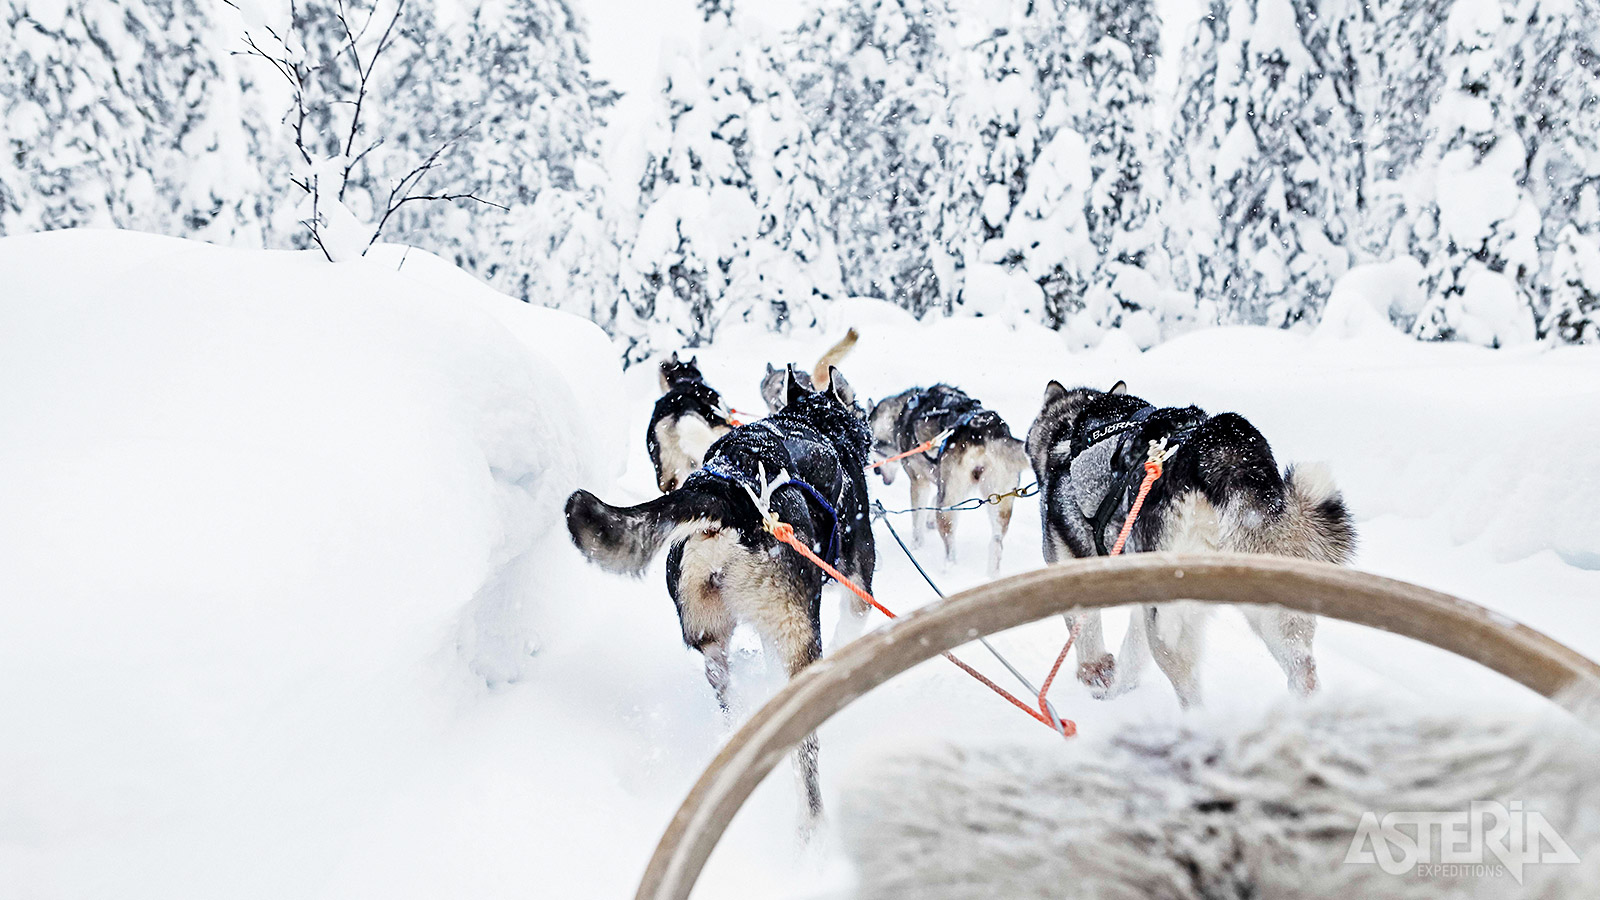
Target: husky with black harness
pixel 1221 490
pixel 689 416
pixel 805 465
pixel 971 453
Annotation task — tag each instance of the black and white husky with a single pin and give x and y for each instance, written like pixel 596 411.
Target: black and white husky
pixel 974 455
pixel 687 419
pixel 1221 490
pixel 774 384
pixel 722 567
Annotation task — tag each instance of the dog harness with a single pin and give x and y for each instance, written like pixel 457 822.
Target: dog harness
pixel 1099 478
pixel 719 471
pixel 961 422
pixel 965 409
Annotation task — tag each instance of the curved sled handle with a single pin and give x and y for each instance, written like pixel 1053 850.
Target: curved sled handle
pixel 830 684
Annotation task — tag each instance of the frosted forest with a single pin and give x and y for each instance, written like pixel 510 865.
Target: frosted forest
pixel 355 355
pixel 1032 161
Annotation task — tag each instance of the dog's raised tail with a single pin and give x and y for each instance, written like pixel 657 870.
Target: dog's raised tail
pixel 1317 515
pixel 625 538
pixel 834 356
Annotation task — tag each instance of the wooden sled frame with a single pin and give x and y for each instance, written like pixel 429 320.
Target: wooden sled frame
pixel 827 686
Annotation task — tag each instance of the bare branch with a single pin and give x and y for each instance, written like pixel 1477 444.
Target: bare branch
pixel 410 197
pixel 345 183
pixel 383 41
pixel 316 221
pixel 400 194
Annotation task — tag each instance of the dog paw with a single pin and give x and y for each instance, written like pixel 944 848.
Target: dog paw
pixel 1099 675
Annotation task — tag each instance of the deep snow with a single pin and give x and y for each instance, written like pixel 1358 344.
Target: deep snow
pixel 286 610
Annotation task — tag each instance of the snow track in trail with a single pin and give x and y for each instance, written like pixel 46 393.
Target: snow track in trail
pixel 277 536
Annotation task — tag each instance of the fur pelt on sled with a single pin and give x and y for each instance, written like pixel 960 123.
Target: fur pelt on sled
pixel 1206 809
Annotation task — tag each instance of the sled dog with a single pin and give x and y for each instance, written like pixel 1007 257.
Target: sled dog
pixel 773 383
pixel 978 457
pixel 687 419
pixel 1221 490
pixel 722 567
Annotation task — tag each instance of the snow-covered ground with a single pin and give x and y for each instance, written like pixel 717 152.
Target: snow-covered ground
pixel 286 609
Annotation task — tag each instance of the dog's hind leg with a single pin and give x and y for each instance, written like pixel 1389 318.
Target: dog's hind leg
pixel 1097 669
pixel 1288 636
pixel 1132 657
pixel 946 523
pixel 853 615
pixel 1174 635
pixel 919 498
pixel 716 654
pixel 999 523
pixel 797 640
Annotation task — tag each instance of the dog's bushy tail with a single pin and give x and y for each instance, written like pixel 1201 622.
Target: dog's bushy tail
pixel 833 356
pixel 1316 515
pixel 625 538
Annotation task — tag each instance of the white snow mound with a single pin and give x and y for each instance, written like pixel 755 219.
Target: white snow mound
pixel 251 499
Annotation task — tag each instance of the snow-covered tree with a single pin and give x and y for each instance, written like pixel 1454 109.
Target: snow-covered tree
pixel 1555 75
pixel 1399 61
pixel 1052 118
pixel 1017 209
pixel 733 222
pixel 125 113
pixel 1131 288
pixel 1573 285
pixel 1266 155
pixel 873 79
pixel 504 95
pixel 1483 253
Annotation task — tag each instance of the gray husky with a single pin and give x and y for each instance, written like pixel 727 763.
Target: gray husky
pixel 1221 490
pixel 977 457
pixel 774 384
pixel 723 568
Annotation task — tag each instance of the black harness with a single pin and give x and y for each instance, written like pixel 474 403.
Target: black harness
pixel 793 445
pixel 964 408
pixel 1104 432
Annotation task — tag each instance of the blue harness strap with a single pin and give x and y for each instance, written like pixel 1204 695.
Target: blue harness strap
pixel 960 423
pixel 833 518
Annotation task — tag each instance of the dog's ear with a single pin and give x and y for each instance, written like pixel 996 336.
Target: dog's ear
pixel 840 389
pixel 694 360
pixel 674 359
pixel 1053 392
pixel 793 391
pixel 771 368
pixel 1120 387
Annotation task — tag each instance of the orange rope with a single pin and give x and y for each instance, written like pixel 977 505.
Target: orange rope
pixel 923 447
pixel 1152 471
pixel 784 532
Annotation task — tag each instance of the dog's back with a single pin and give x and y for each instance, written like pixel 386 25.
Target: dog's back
pixel 1220 491
pixel 973 454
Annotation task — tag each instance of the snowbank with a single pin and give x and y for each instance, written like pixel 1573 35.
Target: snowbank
pixel 267 519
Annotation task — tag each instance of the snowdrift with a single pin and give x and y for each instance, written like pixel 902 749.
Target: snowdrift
pixel 266 520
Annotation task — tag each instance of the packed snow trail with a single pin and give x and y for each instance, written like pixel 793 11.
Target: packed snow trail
pixel 286 608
